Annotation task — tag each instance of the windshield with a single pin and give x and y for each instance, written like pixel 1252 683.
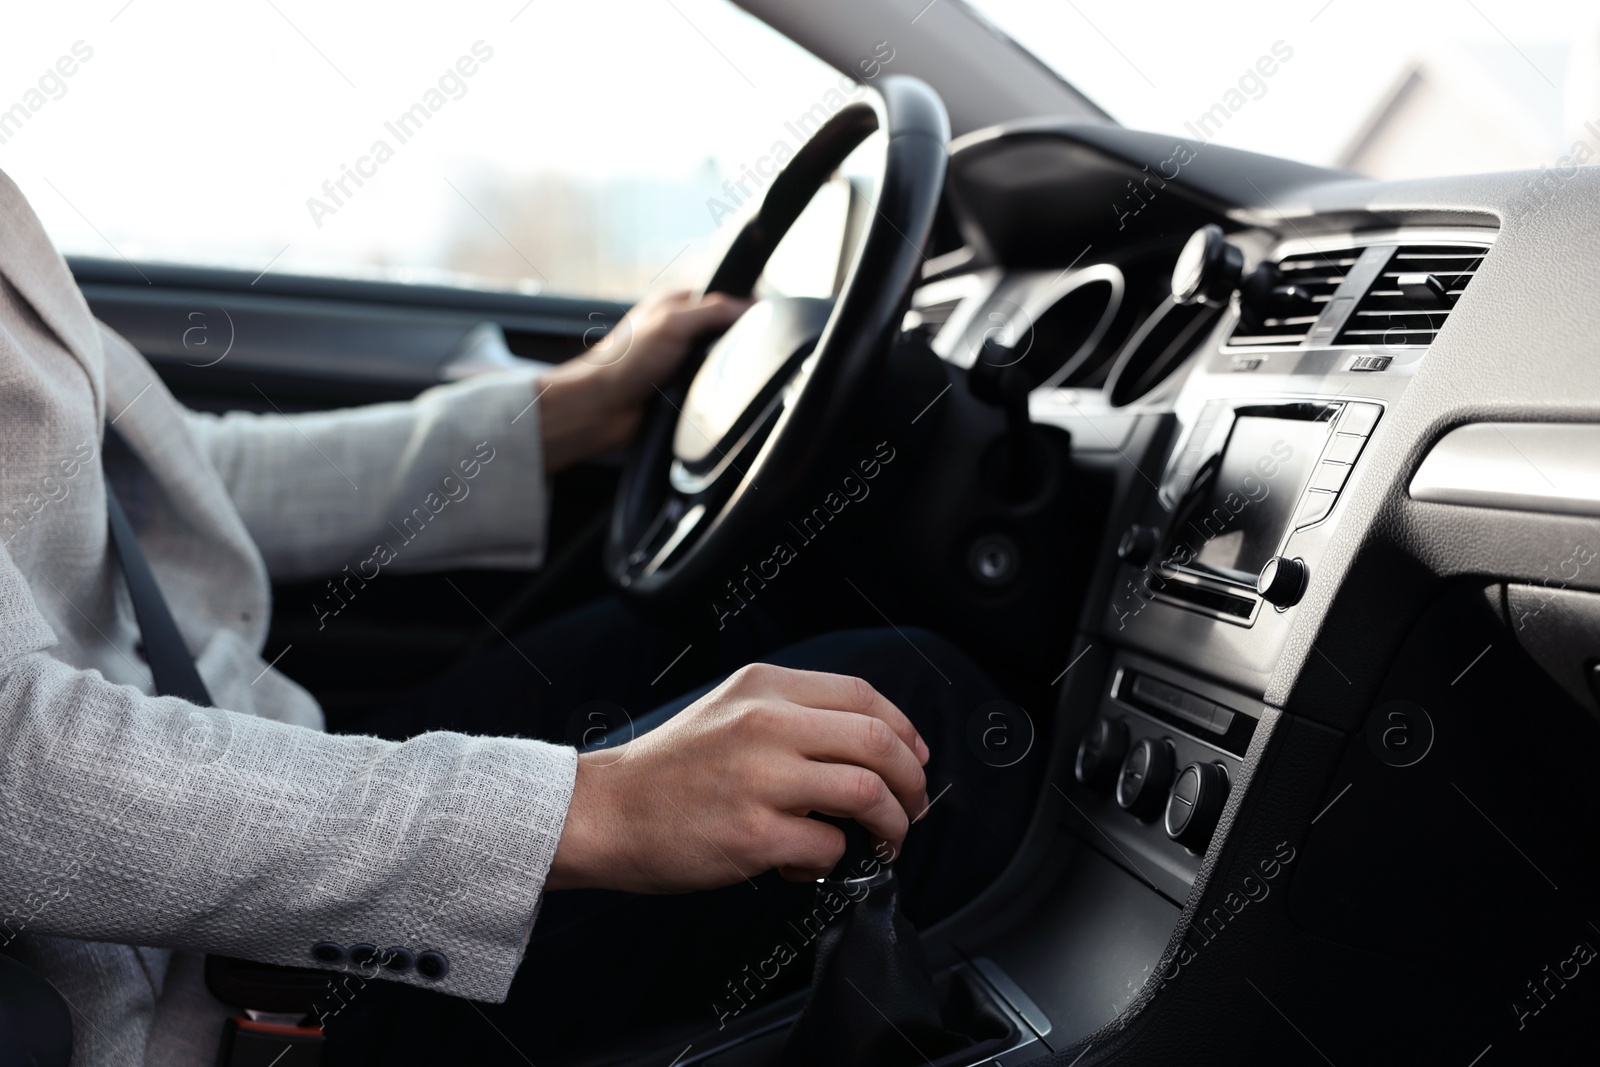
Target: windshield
pixel 1387 89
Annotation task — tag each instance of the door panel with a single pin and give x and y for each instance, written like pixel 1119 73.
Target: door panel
pixel 218 336
pixel 226 340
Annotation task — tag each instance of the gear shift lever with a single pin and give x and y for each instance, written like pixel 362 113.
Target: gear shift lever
pixel 872 999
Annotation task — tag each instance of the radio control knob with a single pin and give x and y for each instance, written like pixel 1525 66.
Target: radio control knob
pixel 1100 753
pixel 1283 581
pixel 1195 804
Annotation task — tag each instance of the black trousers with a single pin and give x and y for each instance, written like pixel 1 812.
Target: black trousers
pixel 601 965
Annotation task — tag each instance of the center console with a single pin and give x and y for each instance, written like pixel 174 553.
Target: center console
pixel 1221 537
pixel 1233 507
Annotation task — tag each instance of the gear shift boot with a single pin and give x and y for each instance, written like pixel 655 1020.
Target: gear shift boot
pixel 872 996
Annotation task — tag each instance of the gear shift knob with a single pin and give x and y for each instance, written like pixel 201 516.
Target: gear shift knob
pixel 860 857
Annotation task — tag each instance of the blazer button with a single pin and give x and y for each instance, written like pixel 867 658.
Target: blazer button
pixel 432 964
pixel 399 960
pixel 328 952
pixel 362 953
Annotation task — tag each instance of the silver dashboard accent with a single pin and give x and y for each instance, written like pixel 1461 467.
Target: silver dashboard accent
pixel 1019 1001
pixel 1521 466
pixel 1007 307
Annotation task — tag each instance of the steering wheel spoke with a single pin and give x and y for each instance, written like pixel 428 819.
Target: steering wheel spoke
pixel 675 521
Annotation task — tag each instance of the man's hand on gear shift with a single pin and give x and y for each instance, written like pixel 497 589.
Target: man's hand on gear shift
pixel 721 791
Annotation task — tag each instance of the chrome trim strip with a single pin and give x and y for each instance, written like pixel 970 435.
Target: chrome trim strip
pixel 1405 235
pixel 1013 995
pixel 1520 466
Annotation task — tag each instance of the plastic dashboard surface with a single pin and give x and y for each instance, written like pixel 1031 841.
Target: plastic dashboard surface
pixel 1521 346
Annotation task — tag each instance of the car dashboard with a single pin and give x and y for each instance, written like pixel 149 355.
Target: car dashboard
pixel 1335 681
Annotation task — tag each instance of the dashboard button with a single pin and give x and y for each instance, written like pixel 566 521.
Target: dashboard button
pixel 1164 696
pixel 1314 507
pixel 1198 710
pixel 1100 753
pixel 1330 477
pixel 1146 773
pixel 1344 448
pixel 1159 696
pixel 1222 721
pixel 1358 419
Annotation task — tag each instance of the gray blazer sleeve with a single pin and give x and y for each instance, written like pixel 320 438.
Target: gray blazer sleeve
pixel 148 821
pixel 452 478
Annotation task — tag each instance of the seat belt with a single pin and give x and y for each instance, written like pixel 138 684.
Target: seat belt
pixel 169 658
pixel 279 1036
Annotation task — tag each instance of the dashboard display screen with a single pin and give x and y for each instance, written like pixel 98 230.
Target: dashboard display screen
pixel 1251 497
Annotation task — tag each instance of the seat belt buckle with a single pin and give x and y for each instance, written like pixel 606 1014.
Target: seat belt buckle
pixel 267 1039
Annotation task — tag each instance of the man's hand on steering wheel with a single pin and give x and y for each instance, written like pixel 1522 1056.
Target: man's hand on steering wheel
pixel 592 404
pixel 721 791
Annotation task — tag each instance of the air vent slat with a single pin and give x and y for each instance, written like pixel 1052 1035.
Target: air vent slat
pixel 1443 273
pixel 1412 295
pixel 1380 333
pixel 1316 274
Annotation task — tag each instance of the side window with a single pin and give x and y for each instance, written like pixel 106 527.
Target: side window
pixel 596 149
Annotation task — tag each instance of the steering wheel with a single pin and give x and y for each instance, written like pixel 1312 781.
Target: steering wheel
pixel 738 430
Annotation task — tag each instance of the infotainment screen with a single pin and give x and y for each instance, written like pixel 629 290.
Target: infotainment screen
pixel 1249 498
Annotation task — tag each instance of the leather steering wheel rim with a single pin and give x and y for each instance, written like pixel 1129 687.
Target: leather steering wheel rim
pixel 662 541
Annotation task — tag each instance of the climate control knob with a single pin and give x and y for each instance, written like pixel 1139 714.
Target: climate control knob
pixel 1283 581
pixel 1146 773
pixel 1195 804
pixel 1100 753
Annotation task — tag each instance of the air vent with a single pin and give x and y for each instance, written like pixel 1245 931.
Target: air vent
pixel 1412 295
pixel 1063 346
pixel 1308 280
pixel 1158 348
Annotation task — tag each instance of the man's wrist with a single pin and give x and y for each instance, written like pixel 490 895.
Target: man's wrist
pixel 579 859
pixel 579 416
